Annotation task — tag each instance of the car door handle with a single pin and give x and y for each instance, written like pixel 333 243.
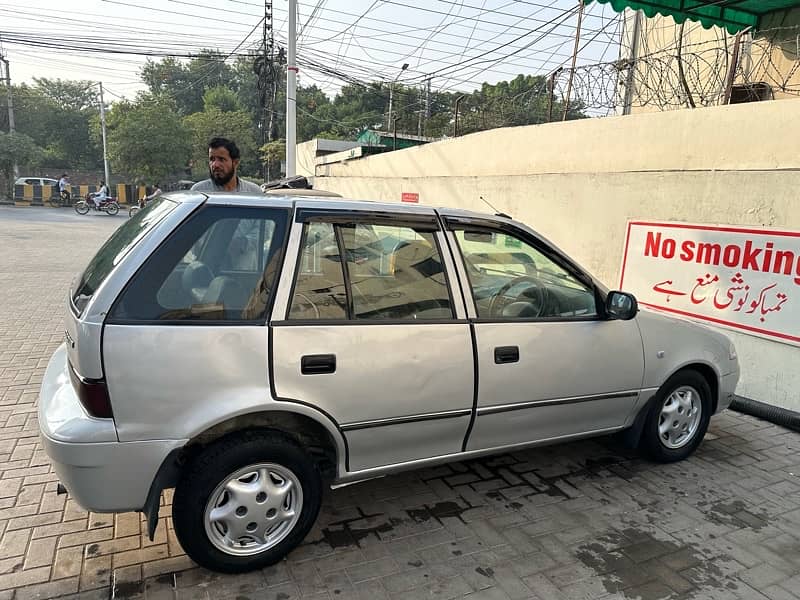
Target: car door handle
pixel 506 354
pixel 318 364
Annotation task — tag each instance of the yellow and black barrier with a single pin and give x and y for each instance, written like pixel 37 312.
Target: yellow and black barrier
pixel 39 195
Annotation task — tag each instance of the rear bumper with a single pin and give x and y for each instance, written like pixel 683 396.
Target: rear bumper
pixel 108 477
pixel 100 473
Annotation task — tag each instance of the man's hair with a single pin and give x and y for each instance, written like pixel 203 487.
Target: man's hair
pixel 221 142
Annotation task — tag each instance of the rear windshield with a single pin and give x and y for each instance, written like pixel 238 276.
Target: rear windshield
pixel 116 247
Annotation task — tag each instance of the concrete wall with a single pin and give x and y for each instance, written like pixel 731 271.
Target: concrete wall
pixel 578 183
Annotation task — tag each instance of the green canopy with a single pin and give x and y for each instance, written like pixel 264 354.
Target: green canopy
pixel 733 15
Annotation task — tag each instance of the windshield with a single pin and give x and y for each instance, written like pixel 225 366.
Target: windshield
pixel 116 247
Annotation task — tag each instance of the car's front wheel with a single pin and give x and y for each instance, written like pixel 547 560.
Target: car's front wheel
pixel 679 417
pixel 246 501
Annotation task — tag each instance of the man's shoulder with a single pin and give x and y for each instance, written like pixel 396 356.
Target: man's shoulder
pixel 203 186
pixel 249 186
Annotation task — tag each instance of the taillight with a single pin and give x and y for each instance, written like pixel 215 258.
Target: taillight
pixel 93 394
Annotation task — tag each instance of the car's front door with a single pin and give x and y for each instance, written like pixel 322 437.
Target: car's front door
pixel 549 365
pixel 369 333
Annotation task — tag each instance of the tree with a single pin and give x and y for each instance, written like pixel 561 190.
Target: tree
pixel 146 138
pixel 19 148
pixel 57 115
pixel 68 94
pixel 236 126
pixel 186 83
pixel 222 99
pixel 271 155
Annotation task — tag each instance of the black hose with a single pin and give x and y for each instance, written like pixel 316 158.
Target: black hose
pixel 774 414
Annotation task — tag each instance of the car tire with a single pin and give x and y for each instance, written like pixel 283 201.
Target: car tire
pixel 679 417
pixel 257 481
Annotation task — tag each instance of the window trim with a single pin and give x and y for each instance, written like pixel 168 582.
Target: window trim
pixel 280 255
pixel 339 218
pixel 455 224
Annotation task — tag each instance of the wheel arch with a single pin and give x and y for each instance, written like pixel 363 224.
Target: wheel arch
pixel 313 430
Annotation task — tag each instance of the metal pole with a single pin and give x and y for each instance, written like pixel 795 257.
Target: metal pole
pixel 637 26
pixel 574 59
pixel 394 128
pixel 11 125
pixel 732 72
pixel 428 99
pixel 103 129
pixel 551 88
pixel 389 116
pixel 391 94
pixel 455 120
pixel 419 114
pixel 291 93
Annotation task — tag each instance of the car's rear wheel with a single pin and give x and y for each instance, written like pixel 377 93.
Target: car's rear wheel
pixel 246 501
pixel 679 417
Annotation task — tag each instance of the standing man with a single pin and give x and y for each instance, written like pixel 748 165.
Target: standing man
pixel 223 161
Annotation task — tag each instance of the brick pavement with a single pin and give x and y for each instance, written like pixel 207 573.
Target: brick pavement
pixel 580 520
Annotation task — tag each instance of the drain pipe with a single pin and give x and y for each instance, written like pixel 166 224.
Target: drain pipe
pixel 774 414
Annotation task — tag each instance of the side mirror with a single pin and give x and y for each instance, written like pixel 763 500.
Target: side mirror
pixel 621 305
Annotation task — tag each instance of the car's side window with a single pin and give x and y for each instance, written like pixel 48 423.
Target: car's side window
pixel 511 279
pixel 393 272
pixel 219 265
pixel 319 291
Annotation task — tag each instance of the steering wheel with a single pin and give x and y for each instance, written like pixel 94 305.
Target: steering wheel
pixel 536 296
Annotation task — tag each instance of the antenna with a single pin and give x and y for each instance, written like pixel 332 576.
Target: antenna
pixel 497 213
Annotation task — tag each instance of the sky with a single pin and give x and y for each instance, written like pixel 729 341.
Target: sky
pixel 458 44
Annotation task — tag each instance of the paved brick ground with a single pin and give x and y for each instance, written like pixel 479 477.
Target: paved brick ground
pixel 581 520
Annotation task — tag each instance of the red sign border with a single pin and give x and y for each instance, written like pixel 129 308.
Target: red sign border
pixel 726 229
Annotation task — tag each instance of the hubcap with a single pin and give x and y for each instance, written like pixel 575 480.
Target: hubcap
pixel 680 417
pixel 253 509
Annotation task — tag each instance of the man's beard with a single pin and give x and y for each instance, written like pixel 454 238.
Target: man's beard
pixel 221 179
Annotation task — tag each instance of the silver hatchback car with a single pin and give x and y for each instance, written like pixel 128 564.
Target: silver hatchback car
pixel 248 349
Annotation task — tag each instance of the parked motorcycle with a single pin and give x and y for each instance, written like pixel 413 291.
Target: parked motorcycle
pixel 109 206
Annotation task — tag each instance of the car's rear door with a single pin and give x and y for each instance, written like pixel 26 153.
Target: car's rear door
pixel 549 365
pixel 368 331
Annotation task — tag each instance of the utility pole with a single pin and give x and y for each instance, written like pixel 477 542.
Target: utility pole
pixel 428 98
pixel 103 129
pixel 637 25
pixel 551 92
pixel 455 120
pixel 574 59
pixel 291 93
pixel 11 125
pixel 267 81
pixel 391 95
pixel 419 113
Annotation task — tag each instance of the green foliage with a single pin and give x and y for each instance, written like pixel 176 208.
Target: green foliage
pixel 221 99
pixel 146 139
pixel 19 148
pixel 271 156
pixel 56 114
pixel 237 126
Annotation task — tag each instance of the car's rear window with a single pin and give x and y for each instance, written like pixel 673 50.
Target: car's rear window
pixel 116 247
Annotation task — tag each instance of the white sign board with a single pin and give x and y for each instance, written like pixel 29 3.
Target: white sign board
pixel 745 279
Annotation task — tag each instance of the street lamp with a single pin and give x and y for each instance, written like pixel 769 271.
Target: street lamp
pixel 391 94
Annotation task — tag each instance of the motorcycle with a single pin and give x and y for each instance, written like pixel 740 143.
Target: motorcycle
pixel 136 207
pixel 109 206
